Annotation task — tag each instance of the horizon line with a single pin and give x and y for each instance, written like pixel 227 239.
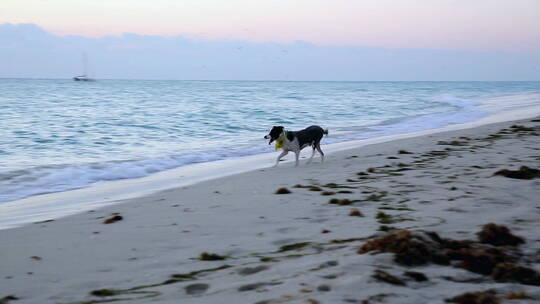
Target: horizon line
pixel 257 80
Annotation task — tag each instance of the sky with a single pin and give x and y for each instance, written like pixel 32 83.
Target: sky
pixel 339 39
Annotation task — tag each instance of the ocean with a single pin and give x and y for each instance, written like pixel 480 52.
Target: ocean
pixel 60 135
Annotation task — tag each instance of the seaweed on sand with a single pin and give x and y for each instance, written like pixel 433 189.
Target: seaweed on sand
pixel 524 172
pixel 283 191
pixel 109 295
pixel 205 256
pixel 294 246
pixel 478 297
pixel 498 235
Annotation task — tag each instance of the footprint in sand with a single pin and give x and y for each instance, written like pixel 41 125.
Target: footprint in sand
pixel 196 289
pixel 252 270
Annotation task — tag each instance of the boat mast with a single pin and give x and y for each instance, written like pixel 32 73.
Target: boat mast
pixel 85 64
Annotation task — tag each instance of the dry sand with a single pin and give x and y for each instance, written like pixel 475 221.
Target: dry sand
pixel 295 247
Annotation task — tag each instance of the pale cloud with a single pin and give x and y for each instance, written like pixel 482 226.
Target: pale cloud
pixel 30 51
pixel 482 25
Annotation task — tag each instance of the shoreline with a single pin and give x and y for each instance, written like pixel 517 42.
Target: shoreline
pixel 297 247
pixel 60 204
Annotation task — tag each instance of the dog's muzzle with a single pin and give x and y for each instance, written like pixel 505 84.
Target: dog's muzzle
pixel 269 137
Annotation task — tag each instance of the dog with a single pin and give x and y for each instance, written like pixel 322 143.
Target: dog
pixel 295 141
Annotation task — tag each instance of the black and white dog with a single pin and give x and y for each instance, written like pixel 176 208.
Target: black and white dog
pixel 295 141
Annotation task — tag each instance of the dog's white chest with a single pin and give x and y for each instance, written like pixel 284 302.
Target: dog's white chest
pixel 293 145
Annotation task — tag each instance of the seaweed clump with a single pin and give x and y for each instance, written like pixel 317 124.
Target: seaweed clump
pixel 384 276
pixel 205 256
pixel 283 191
pixel 410 249
pixel 478 297
pixel 423 247
pixel 294 246
pixel 498 235
pixel 7 299
pixel 524 172
pixel 115 218
pixel 508 272
pixel 417 276
pixel 340 202
pixel 356 212
pixel 384 218
pixel 105 292
pixel 481 261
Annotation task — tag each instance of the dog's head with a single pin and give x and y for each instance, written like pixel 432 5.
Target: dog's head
pixel 274 133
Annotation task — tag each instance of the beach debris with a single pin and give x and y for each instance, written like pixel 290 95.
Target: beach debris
pixel 410 249
pixel 384 276
pixel 375 197
pixel 384 218
pixel 340 202
pixel 328 193
pixel 294 246
pixel 182 277
pixel 7 299
pixel 43 222
pixel 451 143
pixel 404 152
pixel 356 212
pixel 520 128
pixel 36 258
pixel 415 275
pixel 205 256
pixel 309 187
pixel 342 241
pixel 326 231
pixel 140 291
pixel 283 191
pixel 386 228
pixel 337 186
pixel 423 247
pixel 508 272
pixel 105 292
pixel 481 261
pixel 498 235
pixel 252 270
pixel 378 298
pixel 478 297
pixel 114 218
pixel 324 288
pixel 196 289
pixel 524 172
pixel 519 295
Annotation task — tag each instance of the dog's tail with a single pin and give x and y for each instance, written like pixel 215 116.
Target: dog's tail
pixel 325 132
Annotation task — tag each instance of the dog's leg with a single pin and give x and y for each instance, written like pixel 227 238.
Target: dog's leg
pixel 312 154
pixel 318 146
pixel 280 156
pixel 297 157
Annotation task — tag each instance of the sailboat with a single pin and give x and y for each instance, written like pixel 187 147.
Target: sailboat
pixel 84 76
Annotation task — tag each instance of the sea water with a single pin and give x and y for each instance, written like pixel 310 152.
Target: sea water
pixel 59 135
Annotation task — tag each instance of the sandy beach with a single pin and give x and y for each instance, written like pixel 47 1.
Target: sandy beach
pixel 320 239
